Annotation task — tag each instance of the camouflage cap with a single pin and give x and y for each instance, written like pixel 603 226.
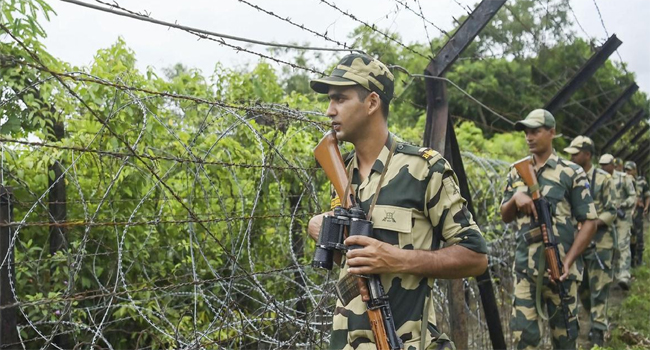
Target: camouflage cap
pixel 618 161
pixel 630 165
pixel 536 119
pixel 580 143
pixel 606 159
pixel 358 69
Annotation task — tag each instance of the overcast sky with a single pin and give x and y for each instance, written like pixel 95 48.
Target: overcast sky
pixel 76 33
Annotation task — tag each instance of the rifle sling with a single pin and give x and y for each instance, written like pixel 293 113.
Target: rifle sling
pixel 538 288
pixel 381 180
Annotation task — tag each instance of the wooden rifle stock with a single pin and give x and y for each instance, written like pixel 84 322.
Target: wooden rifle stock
pixel 527 172
pixel 329 157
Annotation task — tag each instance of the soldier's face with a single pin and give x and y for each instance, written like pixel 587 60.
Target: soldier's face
pixel 581 158
pixel 539 140
pixel 347 112
pixel 608 168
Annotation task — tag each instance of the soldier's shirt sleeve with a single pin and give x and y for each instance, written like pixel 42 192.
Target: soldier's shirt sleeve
pixel 630 198
pixel 447 211
pixel 582 205
pixel 608 213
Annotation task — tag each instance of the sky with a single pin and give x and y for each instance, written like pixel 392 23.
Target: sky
pixel 76 33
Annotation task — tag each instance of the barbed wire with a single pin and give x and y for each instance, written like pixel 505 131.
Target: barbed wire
pixel 237 293
pixel 151 157
pixel 208 35
pixel 88 78
pixel 374 29
pixel 301 26
pixel 420 14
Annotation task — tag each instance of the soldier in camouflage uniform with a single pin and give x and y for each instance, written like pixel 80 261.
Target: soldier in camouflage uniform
pixel 624 198
pixel 598 273
pixel 564 184
pixel 419 205
pixel 642 204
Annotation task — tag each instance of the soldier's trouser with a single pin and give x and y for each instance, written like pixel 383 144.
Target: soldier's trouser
pixel 636 248
pixel 526 323
pixel 594 289
pixel 624 257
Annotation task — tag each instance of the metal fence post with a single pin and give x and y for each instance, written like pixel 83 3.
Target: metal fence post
pixel 8 330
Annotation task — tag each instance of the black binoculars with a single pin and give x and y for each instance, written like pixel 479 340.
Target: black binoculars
pixel 332 232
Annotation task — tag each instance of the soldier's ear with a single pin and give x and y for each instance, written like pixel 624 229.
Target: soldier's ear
pixel 374 103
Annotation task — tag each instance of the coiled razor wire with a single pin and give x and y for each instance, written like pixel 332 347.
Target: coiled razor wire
pixel 254 289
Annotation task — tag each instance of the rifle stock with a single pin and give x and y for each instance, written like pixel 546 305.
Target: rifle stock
pixel 544 223
pixel 329 157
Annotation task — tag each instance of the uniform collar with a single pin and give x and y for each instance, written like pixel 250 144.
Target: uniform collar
pixel 551 162
pixel 378 166
pixel 383 155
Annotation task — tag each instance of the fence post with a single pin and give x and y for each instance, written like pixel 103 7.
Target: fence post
pixel 8 330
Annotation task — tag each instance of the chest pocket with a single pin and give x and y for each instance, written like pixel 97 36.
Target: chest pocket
pixel 393 225
pixel 556 199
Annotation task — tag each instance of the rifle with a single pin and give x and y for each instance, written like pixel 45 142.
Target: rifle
pixel 348 219
pixel 545 225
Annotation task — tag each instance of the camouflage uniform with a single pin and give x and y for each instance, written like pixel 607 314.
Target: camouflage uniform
pixel 419 205
pixel 598 274
pixel 565 186
pixel 642 192
pixel 624 197
pixel 419 199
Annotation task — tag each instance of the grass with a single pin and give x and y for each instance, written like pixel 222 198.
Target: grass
pixel 632 319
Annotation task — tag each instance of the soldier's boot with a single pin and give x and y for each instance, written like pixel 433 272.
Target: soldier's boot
pixel 596 337
pixel 625 285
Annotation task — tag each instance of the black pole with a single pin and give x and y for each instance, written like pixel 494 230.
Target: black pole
pixel 586 71
pixel 611 109
pixel 629 125
pixel 8 330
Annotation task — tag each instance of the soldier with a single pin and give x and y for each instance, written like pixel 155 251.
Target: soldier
pixel 419 204
pixel 624 198
pixel 642 204
pixel 598 273
pixel 565 186
pixel 618 165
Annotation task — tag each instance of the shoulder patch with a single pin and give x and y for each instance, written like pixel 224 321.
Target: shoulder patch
pixel 426 153
pixel 429 155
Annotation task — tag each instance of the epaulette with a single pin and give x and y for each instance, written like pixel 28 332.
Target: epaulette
pixel 424 152
pixel 567 163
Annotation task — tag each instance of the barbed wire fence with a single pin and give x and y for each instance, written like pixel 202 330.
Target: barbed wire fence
pixel 210 250
pixel 228 298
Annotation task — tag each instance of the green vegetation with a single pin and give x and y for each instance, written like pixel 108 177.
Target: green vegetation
pixel 218 182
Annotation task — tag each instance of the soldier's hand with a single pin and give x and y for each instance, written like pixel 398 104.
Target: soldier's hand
pixel 563 276
pixel 375 257
pixel 525 204
pixel 565 272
